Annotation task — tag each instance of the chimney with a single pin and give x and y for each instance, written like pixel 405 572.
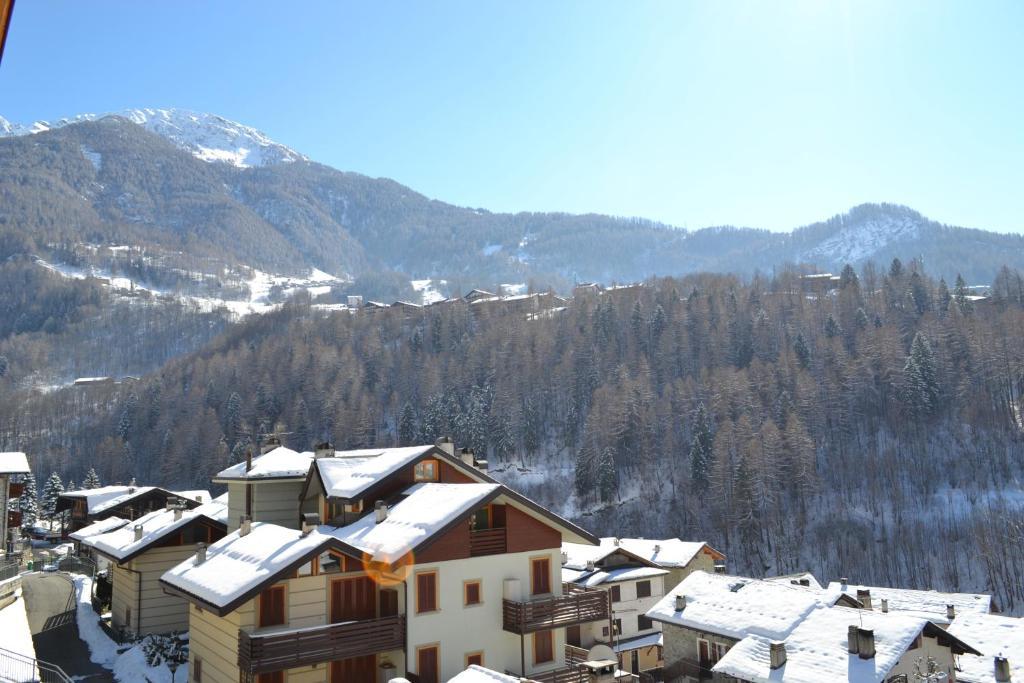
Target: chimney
pixel 244 525
pixel 1002 669
pixel 270 444
pixel 200 553
pixel 866 643
pixel 248 459
pixel 864 595
pixel 177 514
pixel 680 602
pixel 467 456
pixel 806 583
pixel 591 566
pixel 844 581
pixel 615 542
pixel 885 605
pixel 851 639
pixel 565 557
pixel 446 444
pixel 138 532
pixel 657 547
pixel 323 450
pixel 777 654
pixel 380 511
pixel 950 612
pixel 310 521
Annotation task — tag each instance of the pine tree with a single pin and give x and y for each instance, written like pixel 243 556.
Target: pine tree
pixel 803 353
pixel 72 486
pixel 4 364
pixel 944 297
pixel 584 478
pixel 606 474
pixel 861 319
pixel 922 386
pixel 233 418
pixel 92 480
pixel 700 450
pixel 832 328
pixel 51 492
pixel 127 422
pixel 28 503
pixel 407 425
pixel 965 305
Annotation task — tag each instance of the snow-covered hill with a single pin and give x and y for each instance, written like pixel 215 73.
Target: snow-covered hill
pixel 207 136
pixel 860 238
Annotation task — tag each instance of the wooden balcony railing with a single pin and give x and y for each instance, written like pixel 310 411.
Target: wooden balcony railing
pixel 576 606
pixel 263 653
pixel 487 542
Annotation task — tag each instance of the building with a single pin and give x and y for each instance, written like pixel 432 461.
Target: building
pixel 941 608
pixel 1000 641
pixel 11 465
pixel 102 526
pixel 844 644
pixel 267 488
pixel 707 614
pixel 140 552
pixel 127 502
pixel 635 572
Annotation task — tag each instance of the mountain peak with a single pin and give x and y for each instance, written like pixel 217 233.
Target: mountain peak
pixel 208 137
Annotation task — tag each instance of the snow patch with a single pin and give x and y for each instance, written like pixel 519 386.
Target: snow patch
pixel 94 157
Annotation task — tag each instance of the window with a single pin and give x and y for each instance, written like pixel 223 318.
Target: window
pixel 425 471
pixel 643 623
pixel 272 606
pixel 643 589
pixel 471 593
pixel 481 519
pixel 616 593
pixel 618 626
pixel 197 669
pixel 426 664
pixel 426 592
pixel 543 647
pixel 127 617
pixel 540 576
pixel 475 658
pixel 272 677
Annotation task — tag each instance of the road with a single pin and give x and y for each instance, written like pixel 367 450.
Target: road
pixel 50 603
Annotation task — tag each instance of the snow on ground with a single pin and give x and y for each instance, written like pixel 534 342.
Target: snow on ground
pixel 17 637
pixel 512 289
pixel 95 158
pixel 428 291
pixel 491 249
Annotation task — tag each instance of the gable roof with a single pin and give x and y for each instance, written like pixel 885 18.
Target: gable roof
pixel 735 606
pixel 120 544
pixel 669 552
pixel 279 463
pixel 14 462
pixel 991 635
pixel 610 575
pixel 796 578
pixel 478 674
pixel 96 528
pixel 106 498
pixel 929 604
pixel 816 649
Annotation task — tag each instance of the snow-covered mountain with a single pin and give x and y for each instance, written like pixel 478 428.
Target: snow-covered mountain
pixel 207 136
pixel 864 233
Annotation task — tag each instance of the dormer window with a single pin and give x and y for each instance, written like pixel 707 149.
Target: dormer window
pixel 425 470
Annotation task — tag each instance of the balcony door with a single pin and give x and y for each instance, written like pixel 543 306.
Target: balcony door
pixel 355 670
pixel 353 599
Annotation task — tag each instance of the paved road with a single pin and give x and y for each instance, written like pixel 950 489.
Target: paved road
pixel 50 603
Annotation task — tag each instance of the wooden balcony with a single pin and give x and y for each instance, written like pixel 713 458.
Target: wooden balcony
pixel 276 651
pixel 487 542
pixel 575 606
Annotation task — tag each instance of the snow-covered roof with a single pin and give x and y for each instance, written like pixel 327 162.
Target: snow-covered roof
pixel 96 528
pixel 279 463
pixel 478 674
pixel 649 640
pixel 198 495
pixel 14 462
pixel 106 497
pixel 991 635
pixel 121 545
pixel 930 604
pixel 816 650
pixel 735 606
pixel 795 579
pixel 237 564
pixel 426 511
pixel 669 553
pixel 349 473
pixel 611 575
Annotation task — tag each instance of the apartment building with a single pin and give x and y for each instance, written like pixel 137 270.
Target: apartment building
pixel 127 502
pixel 11 464
pixel 141 551
pixel 423 565
pixel 846 644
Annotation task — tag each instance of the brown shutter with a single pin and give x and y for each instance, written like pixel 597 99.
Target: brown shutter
pixel 426 592
pixel 426 665
pixel 543 647
pixel 541 579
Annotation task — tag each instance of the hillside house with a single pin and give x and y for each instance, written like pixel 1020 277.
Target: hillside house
pixel 140 552
pixel 706 615
pixel 12 464
pixel 1000 642
pixel 127 502
pixel 102 526
pixel 938 607
pixel 844 644
pixel 451 575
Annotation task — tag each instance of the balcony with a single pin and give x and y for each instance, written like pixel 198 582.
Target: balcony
pixel 487 542
pixel 276 651
pixel 575 606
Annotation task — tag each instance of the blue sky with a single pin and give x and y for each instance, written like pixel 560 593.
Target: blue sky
pixel 767 114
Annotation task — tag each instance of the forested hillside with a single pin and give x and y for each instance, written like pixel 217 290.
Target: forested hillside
pixel 873 432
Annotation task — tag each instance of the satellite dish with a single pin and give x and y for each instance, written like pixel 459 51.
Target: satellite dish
pixel 601 652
